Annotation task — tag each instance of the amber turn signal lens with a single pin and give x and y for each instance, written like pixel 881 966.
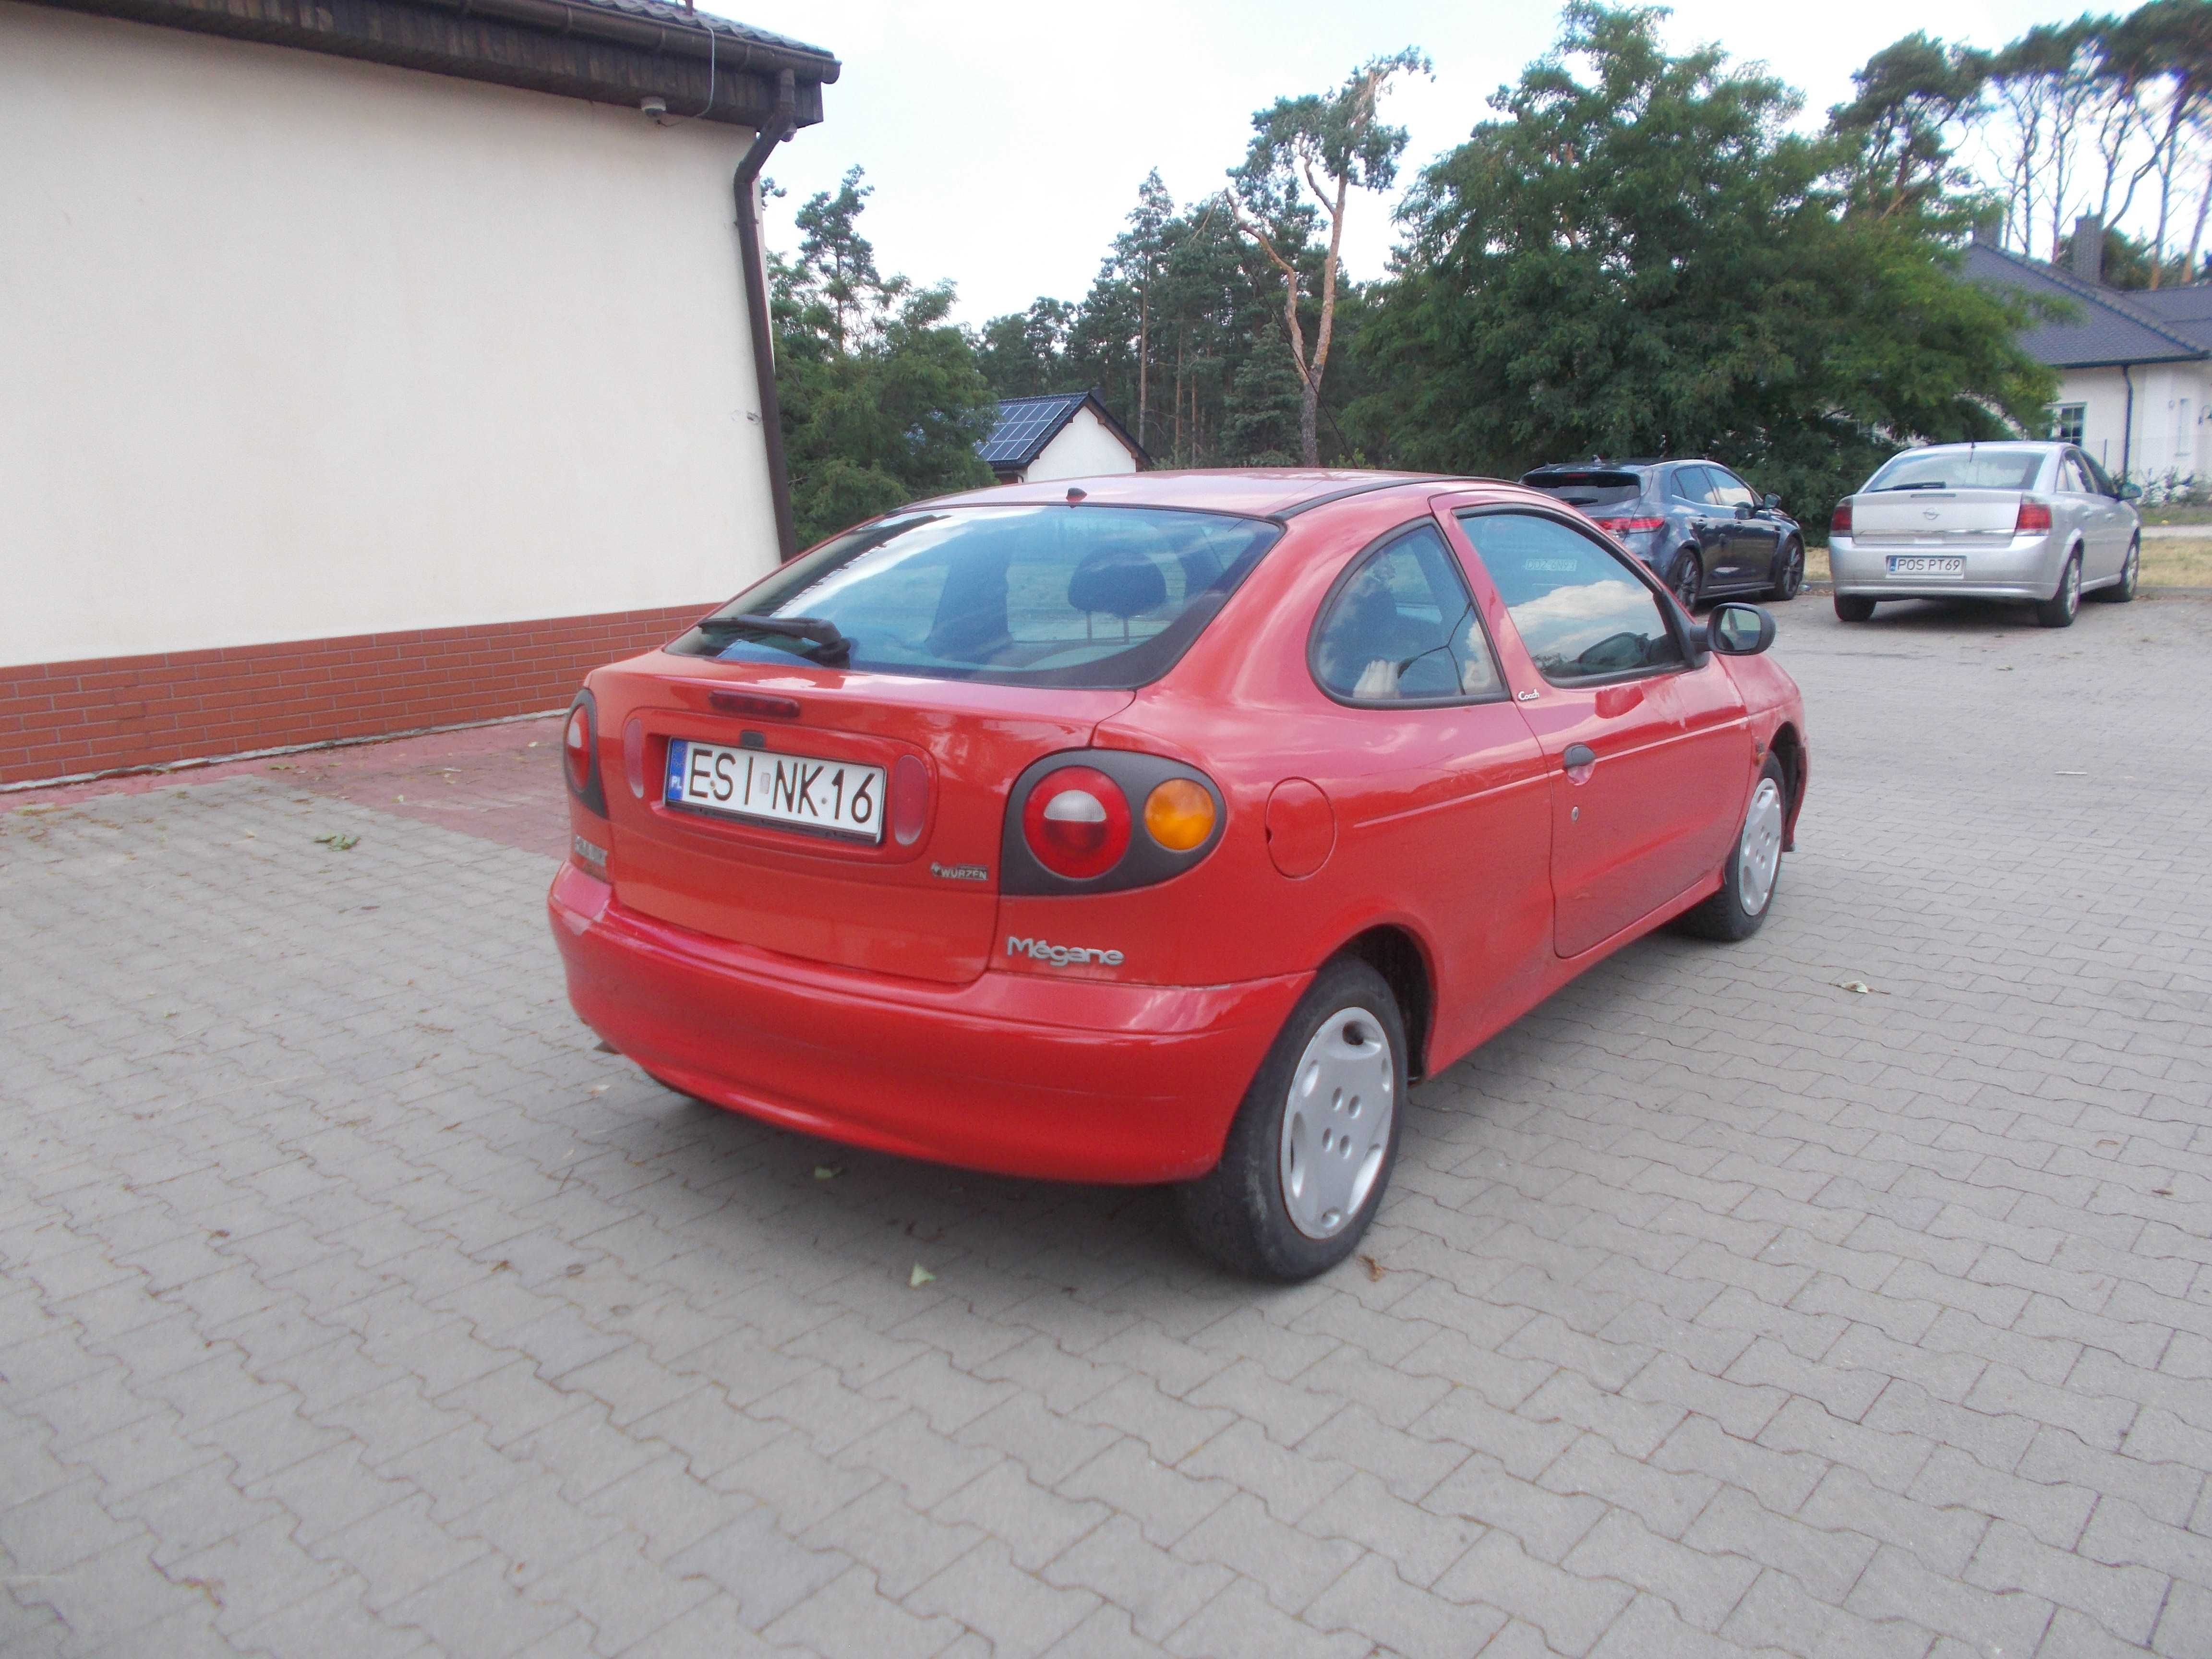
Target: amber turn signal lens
pixel 1179 815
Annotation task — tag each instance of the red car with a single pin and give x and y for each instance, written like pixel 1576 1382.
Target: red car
pixel 1162 827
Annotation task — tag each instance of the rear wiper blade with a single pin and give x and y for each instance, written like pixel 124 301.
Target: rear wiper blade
pixel 1886 488
pixel 829 643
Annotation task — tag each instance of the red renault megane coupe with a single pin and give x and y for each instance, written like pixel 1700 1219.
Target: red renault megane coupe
pixel 1162 827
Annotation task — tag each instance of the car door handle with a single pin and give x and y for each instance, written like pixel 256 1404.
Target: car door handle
pixel 1579 757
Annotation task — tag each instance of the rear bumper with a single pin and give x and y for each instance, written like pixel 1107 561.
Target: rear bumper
pixel 1015 1072
pixel 2027 569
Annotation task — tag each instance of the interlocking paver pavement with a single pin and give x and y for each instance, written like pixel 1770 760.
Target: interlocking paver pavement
pixel 354 1304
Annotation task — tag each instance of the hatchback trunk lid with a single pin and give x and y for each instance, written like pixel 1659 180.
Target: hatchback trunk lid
pixel 1934 515
pixel 925 910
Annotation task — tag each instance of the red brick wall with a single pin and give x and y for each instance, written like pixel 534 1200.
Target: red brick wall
pixel 59 719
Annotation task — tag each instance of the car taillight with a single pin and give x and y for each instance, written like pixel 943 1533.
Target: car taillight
pixel 1179 814
pixel 577 743
pixel 909 812
pixel 1076 822
pixel 1631 527
pixel 1841 524
pixel 2033 515
pixel 1071 822
pixel 580 754
pixel 634 756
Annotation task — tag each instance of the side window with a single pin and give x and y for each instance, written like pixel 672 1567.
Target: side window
pixel 1575 606
pixel 1403 629
pixel 1694 483
pixel 1729 490
pixel 2098 478
pixel 2072 481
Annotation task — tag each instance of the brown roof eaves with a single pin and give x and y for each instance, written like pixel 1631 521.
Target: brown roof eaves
pixel 611 52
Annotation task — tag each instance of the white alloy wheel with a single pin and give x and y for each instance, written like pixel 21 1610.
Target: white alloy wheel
pixel 1759 856
pixel 1336 1123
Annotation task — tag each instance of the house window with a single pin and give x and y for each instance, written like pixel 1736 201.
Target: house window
pixel 2066 421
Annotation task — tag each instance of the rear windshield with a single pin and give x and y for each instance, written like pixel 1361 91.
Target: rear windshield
pixel 1100 597
pixel 1981 467
pixel 1593 488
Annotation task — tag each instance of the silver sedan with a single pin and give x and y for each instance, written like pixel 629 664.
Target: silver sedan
pixel 2035 522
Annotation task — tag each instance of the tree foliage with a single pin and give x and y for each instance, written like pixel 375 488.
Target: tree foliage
pixel 1638 257
pixel 1308 154
pixel 882 397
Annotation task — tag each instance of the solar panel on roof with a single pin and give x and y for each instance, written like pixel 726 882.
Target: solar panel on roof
pixel 1025 425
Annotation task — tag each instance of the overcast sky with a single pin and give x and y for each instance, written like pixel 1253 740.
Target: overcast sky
pixel 1005 141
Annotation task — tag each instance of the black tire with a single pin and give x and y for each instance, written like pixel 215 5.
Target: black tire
pixel 1236 1212
pixel 2130 574
pixel 1689 582
pixel 1789 572
pixel 2063 605
pixel 1854 608
pixel 1728 915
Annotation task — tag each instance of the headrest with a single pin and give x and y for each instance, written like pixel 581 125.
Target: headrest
pixel 1117 582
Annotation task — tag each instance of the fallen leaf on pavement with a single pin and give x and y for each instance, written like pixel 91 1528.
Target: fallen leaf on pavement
pixel 828 1172
pixel 919 1277
pixel 1859 987
pixel 1374 1268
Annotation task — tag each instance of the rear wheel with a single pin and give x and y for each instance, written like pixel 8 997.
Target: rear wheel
pixel 1753 866
pixel 2132 572
pixel 1689 580
pixel 1311 1149
pixel 1854 607
pixel 1789 574
pixel 2063 606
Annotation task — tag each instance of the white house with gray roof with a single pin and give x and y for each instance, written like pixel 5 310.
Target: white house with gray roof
pixel 2135 365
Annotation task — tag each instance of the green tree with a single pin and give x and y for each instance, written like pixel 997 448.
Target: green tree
pixel 1639 257
pixel 1913 99
pixel 1306 153
pixel 1024 353
pixel 883 398
pixel 838 261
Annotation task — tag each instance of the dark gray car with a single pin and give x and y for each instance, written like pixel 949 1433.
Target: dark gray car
pixel 1696 523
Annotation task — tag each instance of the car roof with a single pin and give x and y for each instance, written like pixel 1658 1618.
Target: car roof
pixel 1988 443
pixel 1257 492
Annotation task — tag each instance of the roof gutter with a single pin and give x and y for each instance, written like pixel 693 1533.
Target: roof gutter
pixel 733 50
pixel 780 127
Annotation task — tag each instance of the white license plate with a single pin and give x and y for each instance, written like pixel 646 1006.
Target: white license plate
pixel 1920 564
pixel 839 797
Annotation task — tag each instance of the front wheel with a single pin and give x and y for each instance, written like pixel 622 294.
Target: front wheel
pixel 1312 1145
pixel 1753 866
pixel 2063 606
pixel 1854 607
pixel 1789 574
pixel 2130 573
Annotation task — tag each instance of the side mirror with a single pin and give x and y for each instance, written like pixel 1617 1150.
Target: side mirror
pixel 1774 503
pixel 1743 509
pixel 1737 629
pixel 2130 492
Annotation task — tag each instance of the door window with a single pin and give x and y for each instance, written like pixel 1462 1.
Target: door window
pixel 1578 609
pixel 2072 480
pixel 1401 628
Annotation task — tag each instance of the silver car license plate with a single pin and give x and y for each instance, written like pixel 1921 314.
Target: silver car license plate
pixel 1925 564
pixel 838 796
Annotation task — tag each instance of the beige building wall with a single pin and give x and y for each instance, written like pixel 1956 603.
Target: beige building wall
pixel 293 347
pixel 1084 448
pixel 2170 435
